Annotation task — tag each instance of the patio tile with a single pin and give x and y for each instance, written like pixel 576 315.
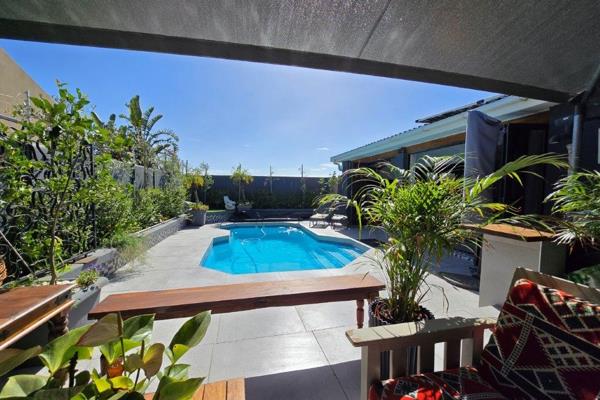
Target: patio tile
pixel 309 384
pixel 348 375
pixel 259 323
pixel 328 315
pixel 336 347
pixel 268 355
pixel 165 329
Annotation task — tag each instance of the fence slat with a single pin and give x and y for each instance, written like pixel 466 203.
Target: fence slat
pixel 426 358
pixel 452 354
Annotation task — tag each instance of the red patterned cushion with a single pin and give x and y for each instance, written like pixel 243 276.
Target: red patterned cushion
pixel 460 383
pixel 545 346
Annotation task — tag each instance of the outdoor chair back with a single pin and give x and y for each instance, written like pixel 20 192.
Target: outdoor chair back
pixel 545 345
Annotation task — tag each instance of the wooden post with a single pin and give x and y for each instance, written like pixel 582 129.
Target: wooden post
pixel 360 313
pixel 369 369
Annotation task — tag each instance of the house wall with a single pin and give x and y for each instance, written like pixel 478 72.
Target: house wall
pixel 14 83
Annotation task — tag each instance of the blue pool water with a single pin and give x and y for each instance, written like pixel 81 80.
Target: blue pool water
pixel 273 248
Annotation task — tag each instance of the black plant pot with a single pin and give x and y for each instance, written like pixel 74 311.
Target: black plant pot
pixel 377 317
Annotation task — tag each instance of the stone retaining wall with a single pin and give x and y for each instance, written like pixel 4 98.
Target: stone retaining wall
pixel 218 217
pixel 107 260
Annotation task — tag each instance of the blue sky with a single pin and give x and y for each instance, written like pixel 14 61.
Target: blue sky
pixel 227 112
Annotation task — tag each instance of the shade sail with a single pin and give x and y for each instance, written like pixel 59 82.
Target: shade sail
pixel 545 49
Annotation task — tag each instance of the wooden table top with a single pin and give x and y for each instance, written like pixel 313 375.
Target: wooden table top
pixel 514 232
pixel 176 303
pixel 232 389
pixel 23 309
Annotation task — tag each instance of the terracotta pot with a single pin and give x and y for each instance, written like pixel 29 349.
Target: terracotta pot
pixel 378 317
pixel 113 370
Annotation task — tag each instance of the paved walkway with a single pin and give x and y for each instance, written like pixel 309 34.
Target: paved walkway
pixel 285 352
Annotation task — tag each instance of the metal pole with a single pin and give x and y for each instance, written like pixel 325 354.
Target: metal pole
pixel 270 179
pixel 576 139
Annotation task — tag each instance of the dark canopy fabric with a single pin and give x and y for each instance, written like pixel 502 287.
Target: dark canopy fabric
pixel 545 49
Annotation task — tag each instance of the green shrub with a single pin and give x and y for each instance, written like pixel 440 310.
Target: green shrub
pixel 130 247
pixel 115 213
pixel 87 278
pixel 170 201
pixel 199 207
pixel 146 207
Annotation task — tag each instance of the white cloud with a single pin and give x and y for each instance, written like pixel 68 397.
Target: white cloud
pixel 322 149
pixel 328 165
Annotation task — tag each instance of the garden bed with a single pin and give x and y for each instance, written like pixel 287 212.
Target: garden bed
pixel 107 260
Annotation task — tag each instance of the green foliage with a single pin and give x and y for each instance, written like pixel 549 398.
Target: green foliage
pixel 198 207
pixel 87 278
pixel 57 202
pixel 241 177
pixel 12 358
pixel 114 203
pixel 576 202
pixel 124 343
pixel 589 276
pixel 131 247
pixel 330 184
pixel 207 178
pixel 146 207
pixel 148 144
pixel 423 211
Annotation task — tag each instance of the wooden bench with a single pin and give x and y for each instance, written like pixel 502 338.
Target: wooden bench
pixel 232 389
pixel 24 309
pixel 178 303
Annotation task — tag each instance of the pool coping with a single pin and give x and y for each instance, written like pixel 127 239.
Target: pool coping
pixel 224 234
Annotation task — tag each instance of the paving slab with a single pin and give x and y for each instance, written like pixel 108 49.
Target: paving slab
pixel 335 346
pixel 289 352
pixel 267 355
pixel 259 323
pixel 328 315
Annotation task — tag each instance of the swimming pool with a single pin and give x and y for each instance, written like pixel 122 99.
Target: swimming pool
pixel 251 249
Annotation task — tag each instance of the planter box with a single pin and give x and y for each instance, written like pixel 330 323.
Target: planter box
pixel 85 300
pixel 198 217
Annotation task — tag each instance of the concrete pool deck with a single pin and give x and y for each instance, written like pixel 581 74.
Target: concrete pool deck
pixel 285 352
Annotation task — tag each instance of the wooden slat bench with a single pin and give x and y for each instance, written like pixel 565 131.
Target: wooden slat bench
pixel 232 389
pixel 24 309
pixel 178 303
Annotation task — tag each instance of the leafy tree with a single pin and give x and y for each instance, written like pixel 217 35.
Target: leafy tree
pixel 193 181
pixel 45 172
pixel 120 137
pixel 208 179
pixel 241 177
pixel 148 143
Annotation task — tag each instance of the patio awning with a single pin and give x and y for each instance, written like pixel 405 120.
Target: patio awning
pixel 545 49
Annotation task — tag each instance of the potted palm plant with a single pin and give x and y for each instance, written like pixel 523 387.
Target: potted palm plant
pixel 199 213
pixel 424 212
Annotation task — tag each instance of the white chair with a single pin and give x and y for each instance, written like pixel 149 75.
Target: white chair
pixel 229 204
